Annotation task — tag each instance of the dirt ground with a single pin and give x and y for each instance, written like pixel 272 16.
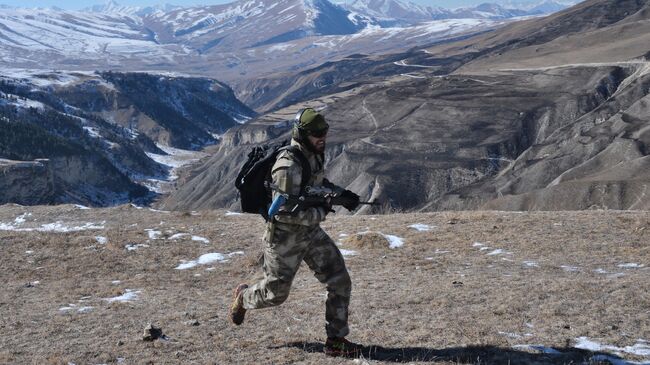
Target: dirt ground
pixel 476 287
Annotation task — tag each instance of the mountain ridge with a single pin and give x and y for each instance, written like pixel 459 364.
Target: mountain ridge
pixel 243 39
pixel 546 137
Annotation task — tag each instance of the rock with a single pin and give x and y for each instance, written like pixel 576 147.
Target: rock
pixel 192 322
pixel 152 333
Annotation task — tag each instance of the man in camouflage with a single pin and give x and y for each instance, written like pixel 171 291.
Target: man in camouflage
pixel 292 238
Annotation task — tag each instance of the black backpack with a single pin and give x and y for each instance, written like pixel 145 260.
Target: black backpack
pixel 252 178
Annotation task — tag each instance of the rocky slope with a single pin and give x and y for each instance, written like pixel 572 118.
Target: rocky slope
pixel 563 137
pixel 101 132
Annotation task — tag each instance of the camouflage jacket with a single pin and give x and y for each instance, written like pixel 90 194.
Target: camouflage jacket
pixel 286 173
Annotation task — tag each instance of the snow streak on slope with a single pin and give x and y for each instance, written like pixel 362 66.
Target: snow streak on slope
pixel 79 35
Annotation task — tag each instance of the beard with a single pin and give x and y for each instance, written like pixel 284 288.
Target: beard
pixel 318 148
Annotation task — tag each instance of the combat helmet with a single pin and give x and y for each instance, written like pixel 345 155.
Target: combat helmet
pixel 308 122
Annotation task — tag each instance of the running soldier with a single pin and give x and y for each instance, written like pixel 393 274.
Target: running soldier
pixel 291 238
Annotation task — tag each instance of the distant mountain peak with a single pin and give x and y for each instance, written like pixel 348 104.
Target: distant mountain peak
pixel 111 6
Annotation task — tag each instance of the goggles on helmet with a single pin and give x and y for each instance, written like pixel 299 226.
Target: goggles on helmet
pixel 319 133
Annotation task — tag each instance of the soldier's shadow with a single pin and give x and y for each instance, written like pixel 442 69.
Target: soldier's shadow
pixel 463 355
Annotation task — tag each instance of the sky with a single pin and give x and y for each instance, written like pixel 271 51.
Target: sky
pixel 79 4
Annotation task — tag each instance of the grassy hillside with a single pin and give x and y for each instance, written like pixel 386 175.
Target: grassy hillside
pixel 463 287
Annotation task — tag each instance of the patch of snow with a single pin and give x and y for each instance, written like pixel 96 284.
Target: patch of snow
pixel 393 241
pixel 420 227
pixel 175 158
pixel 133 247
pixel 72 307
pixel 59 227
pixel 640 348
pixel 177 236
pixel 530 264
pixel 478 244
pixel 510 335
pixel 538 348
pixel 128 296
pixel 200 239
pixel 413 76
pixel 101 240
pixel 348 252
pixel 206 259
pixel 241 119
pixel 52 227
pixel 29 252
pixel 229 213
pixel 616 275
pixel 601 271
pixel 631 265
pixel 279 47
pixel 93 132
pixel 153 234
pixel 499 251
pixel 21 218
pixel 570 268
pixel 116 282
pixel 82 207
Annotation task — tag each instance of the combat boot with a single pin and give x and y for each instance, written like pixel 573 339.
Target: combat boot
pixel 339 346
pixel 237 310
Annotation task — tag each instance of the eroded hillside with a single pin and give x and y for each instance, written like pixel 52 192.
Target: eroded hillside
pixel 99 137
pixel 470 124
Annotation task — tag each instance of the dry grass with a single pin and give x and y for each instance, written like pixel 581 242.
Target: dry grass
pixel 440 298
pixel 366 240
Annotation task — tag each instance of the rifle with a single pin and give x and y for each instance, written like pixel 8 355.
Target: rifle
pixel 314 197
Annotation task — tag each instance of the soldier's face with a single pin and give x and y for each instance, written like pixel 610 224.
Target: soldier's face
pixel 318 142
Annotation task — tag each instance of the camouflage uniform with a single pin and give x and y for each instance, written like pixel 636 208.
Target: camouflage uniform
pixel 289 240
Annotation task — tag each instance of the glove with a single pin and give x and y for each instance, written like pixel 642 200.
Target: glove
pixel 350 200
pixel 327 206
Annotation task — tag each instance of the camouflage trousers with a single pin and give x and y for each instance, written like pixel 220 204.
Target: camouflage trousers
pixel 286 246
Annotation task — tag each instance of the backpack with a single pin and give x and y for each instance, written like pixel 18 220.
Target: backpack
pixel 253 178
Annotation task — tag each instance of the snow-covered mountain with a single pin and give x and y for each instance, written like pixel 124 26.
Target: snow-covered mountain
pixel 112 6
pixel 548 7
pixel 488 11
pixel 539 6
pixel 243 39
pixel 391 12
pixel 399 12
